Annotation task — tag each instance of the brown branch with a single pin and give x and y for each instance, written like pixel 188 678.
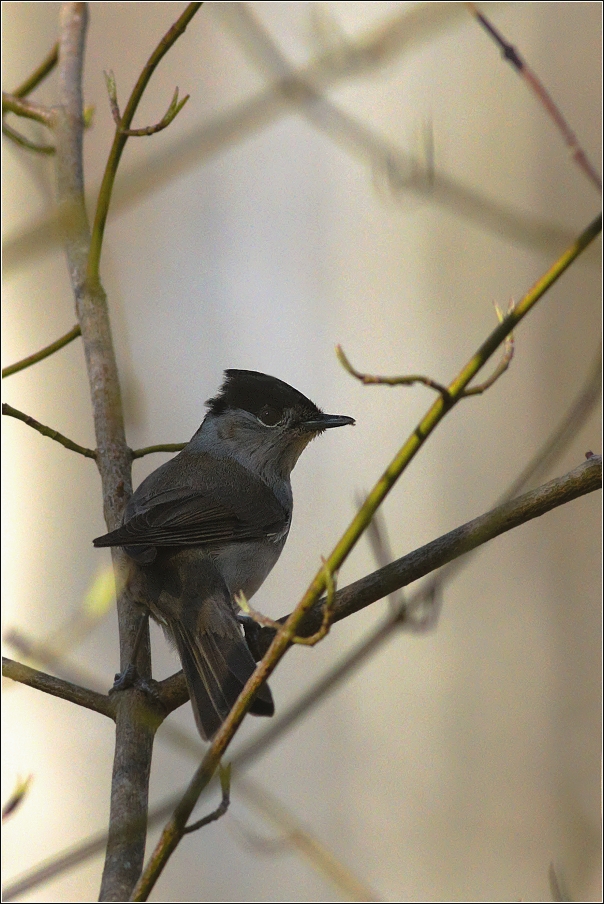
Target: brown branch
pixel 510 54
pixel 73 333
pixel 57 687
pixel 376 380
pixel 47 431
pixel 584 479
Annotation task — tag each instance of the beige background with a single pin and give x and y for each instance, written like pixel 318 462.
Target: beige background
pixel 456 765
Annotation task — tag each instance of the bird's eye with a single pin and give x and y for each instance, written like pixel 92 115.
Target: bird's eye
pixel 269 416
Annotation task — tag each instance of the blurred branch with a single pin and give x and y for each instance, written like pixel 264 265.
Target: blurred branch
pixel 100 703
pixel 39 74
pixel 397 35
pixel 305 842
pixel 24 142
pixel 510 54
pixel 27 109
pixel 47 431
pixel 17 797
pixel 73 333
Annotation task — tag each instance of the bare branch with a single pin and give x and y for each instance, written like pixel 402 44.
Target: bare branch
pixel 225 784
pixel 170 114
pixel 27 109
pixel 376 380
pixel 24 142
pixel 57 687
pixel 39 74
pixel 510 54
pixel 162 447
pixel 73 333
pixel 47 431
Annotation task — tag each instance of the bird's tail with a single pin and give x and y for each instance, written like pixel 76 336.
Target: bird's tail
pixel 217 664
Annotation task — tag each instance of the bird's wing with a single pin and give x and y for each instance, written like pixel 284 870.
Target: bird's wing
pixel 194 515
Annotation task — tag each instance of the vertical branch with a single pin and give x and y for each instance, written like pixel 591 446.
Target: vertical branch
pixel 134 732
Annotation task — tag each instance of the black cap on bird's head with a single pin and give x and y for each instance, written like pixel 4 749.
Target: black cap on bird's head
pixel 272 402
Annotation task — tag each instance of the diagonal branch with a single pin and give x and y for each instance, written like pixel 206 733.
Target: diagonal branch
pixel 73 333
pixel 47 431
pixel 173 830
pixel 57 687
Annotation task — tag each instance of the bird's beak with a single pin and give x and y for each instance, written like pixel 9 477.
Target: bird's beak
pixel 324 421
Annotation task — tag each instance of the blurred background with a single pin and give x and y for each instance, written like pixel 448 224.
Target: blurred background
pixel 422 186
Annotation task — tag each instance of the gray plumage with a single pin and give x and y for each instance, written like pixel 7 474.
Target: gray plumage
pixel 212 522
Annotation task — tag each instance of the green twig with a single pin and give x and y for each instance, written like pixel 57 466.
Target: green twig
pixel 39 74
pixel 73 333
pixel 225 785
pixel 26 108
pixel 121 137
pixel 47 431
pixel 170 114
pixel 24 142
pixel 161 447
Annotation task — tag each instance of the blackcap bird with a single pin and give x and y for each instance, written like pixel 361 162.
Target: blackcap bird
pixel 211 523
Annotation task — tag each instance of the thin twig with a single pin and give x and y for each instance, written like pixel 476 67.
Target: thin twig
pixel 121 137
pixel 73 333
pixel 510 54
pixel 57 687
pixel 48 431
pixel 161 447
pixel 173 830
pixel 328 610
pixel 170 114
pixel 24 142
pixel 225 785
pixel 17 797
pixel 39 74
pixel 376 380
pixel 27 109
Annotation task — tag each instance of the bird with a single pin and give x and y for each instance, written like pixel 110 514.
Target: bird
pixel 210 524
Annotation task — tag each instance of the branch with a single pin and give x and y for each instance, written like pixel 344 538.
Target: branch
pixel 162 447
pixel 535 84
pixel 119 141
pixel 170 114
pixel 173 830
pixel 47 431
pixel 39 74
pixel 73 333
pixel 57 687
pixel 27 109
pixel 24 142
pixel 223 806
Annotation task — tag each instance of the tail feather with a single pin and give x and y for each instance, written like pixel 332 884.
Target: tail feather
pixel 216 668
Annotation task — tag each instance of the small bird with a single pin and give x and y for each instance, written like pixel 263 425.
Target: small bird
pixel 211 523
